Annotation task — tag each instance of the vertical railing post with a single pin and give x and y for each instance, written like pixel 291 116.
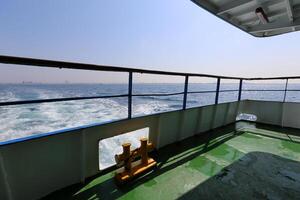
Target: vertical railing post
pixel 130 95
pixel 186 84
pixel 217 91
pixel 240 89
pixel 285 89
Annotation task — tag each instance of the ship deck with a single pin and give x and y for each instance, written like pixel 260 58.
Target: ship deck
pixel 240 161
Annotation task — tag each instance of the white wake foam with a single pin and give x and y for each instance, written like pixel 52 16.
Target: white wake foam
pixel 25 120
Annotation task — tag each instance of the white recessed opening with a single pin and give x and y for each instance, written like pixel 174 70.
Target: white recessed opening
pixel 109 147
pixel 247 117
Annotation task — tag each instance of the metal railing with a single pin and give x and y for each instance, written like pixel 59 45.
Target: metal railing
pixel 285 90
pixel 131 71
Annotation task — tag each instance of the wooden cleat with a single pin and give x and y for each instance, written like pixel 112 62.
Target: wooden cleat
pixel 123 176
pixel 129 169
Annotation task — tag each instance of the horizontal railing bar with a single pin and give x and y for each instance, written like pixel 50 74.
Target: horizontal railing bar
pixel 124 95
pixel 272 78
pixel 228 90
pixel 94 97
pixel 258 90
pixel 157 94
pixel 199 92
pixel 71 65
pixel 57 100
pixel 291 90
pixel 210 91
pixel 205 91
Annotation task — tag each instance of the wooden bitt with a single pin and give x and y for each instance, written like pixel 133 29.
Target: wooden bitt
pixel 129 169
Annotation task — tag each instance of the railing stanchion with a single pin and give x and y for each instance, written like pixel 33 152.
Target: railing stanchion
pixel 240 89
pixel 217 91
pixel 285 89
pixel 186 84
pixel 130 95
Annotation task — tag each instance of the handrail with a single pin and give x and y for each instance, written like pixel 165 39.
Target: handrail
pixel 270 90
pixel 10 103
pixel 82 66
pixel 4 59
pixel 157 94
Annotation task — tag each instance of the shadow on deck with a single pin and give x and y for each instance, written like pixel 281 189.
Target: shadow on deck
pixel 245 174
pixel 256 175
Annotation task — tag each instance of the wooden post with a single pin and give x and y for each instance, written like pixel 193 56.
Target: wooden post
pixel 126 154
pixel 144 151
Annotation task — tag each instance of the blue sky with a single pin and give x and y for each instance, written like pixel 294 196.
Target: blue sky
pixel 172 35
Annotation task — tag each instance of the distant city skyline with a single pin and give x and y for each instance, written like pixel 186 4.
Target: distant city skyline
pixel 169 35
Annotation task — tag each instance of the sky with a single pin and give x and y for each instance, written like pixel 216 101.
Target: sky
pixel 170 35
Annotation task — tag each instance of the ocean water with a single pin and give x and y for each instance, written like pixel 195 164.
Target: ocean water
pixel 25 120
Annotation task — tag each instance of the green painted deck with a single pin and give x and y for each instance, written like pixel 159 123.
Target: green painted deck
pixel 240 161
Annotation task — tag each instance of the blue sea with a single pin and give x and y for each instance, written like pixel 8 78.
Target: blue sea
pixel 25 120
